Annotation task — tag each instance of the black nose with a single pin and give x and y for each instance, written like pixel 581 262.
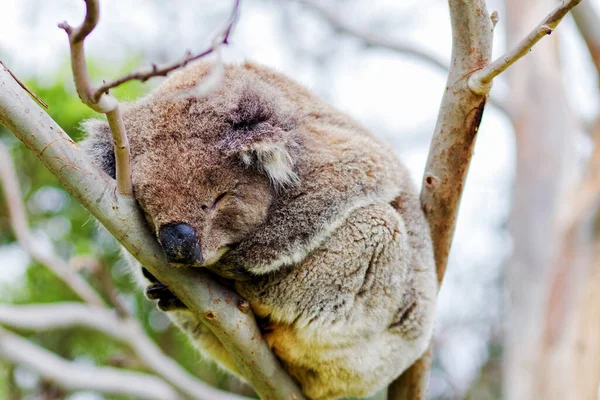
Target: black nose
pixel 180 244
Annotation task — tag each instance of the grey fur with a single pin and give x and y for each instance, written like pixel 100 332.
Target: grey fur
pixel 320 227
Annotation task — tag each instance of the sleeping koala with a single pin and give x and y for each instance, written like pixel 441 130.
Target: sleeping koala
pixel 309 216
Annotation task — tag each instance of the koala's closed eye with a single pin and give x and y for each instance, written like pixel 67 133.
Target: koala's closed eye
pixel 217 200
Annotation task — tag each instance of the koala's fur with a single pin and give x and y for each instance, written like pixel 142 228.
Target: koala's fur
pixel 315 216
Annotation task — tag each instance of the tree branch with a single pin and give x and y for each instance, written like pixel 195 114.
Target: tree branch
pixel 457 125
pixel 454 137
pixel 35 96
pixel 120 215
pixel 76 376
pixel 125 330
pixel 480 81
pixel 105 104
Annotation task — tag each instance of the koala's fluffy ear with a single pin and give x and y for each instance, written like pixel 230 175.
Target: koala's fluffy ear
pixel 99 145
pixel 262 137
pixel 273 158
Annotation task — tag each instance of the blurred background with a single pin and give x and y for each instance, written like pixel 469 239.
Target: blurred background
pixel 517 313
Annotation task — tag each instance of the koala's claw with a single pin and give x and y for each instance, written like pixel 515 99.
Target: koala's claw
pixel 167 301
pixel 156 291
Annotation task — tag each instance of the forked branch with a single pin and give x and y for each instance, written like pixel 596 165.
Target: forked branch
pixel 454 138
pixel 480 81
pixel 105 104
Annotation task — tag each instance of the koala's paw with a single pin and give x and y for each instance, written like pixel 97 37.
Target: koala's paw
pixel 167 301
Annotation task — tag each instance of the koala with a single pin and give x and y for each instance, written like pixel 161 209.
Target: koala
pixel 304 212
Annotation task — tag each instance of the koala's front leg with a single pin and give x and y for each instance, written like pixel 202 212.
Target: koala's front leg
pixel 202 338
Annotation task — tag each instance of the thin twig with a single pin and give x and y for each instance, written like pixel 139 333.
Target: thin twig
pixel 35 96
pixel 78 376
pixel 480 81
pixel 221 39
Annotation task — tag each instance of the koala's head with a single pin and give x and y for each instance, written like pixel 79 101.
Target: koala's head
pixel 205 170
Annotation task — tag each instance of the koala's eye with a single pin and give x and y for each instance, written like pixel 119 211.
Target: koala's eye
pixel 248 124
pixel 217 200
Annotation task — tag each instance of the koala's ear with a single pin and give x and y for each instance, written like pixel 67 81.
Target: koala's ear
pixel 273 158
pixel 99 145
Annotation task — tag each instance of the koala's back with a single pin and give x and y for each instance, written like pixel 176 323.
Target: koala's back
pixel 344 279
pixel 356 312
pixel 352 307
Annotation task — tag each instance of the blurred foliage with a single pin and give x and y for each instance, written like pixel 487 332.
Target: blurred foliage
pixel 56 218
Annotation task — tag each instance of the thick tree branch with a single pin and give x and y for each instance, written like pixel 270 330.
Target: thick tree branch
pixel 120 215
pixel 455 133
pixel 457 125
pixel 480 81
pixel 125 330
pixel 73 376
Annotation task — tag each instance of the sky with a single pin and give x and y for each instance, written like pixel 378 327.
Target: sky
pixel 395 96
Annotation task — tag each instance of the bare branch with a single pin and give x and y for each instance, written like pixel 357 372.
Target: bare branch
pixel 35 96
pixel 221 39
pixel 18 219
pixel 75 376
pixel 104 104
pixel 125 330
pixel 120 215
pixel 588 23
pixel 480 81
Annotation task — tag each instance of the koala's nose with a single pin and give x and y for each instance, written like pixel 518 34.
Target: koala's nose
pixel 180 244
